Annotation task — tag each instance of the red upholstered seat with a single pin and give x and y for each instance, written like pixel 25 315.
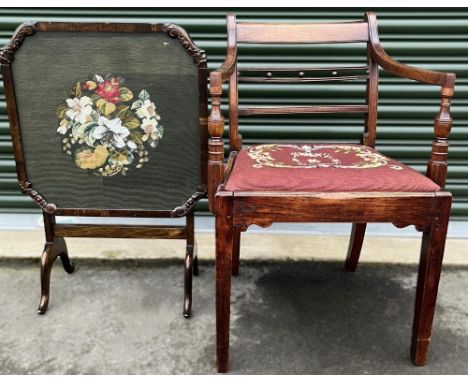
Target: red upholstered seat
pixel 322 167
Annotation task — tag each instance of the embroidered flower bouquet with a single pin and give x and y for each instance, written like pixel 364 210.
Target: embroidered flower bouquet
pixel 105 129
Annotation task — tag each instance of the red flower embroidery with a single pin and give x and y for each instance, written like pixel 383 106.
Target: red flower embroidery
pixel 109 90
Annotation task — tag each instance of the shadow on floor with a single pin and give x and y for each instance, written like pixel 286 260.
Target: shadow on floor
pixel 287 318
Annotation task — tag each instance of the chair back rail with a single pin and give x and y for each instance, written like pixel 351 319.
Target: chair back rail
pixel 323 33
pixel 318 33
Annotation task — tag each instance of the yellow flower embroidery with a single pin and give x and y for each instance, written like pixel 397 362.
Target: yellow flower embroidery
pixel 89 159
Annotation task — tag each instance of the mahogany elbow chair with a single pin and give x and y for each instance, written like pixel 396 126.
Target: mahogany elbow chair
pixel 94 111
pixel 316 182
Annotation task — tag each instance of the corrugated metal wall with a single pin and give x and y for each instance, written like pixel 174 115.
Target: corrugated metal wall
pixel 433 39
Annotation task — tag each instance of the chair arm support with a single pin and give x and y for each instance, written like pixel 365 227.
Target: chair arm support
pixel 437 165
pixel 215 143
pixel 216 164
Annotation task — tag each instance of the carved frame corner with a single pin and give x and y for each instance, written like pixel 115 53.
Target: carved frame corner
pixel 26 188
pixel 188 206
pixel 7 52
pixel 179 33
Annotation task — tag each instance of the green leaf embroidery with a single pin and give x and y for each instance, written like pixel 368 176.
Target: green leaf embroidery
pixel 144 95
pixel 136 135
pixel 122 112
pixel 76 90
pixel 125 94
pixel 62 110
pixel 129 119
pixel 137 104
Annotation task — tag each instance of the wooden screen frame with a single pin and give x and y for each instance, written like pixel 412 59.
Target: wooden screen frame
pixel 7 55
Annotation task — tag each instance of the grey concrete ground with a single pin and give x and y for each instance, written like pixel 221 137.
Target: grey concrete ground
pixel 116 317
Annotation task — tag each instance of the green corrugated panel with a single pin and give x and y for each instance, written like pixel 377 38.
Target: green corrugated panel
pixel 430 38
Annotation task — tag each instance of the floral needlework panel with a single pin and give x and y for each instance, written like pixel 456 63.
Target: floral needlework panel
pixel 116 127
pixel 106 128
pixel 322 167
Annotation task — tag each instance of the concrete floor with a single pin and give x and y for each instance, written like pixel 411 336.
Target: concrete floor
pixel 298 317
pixel 256 245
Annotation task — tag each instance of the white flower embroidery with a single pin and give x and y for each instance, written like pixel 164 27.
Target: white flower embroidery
pixel 63 128
pixel 112 131
pixel 147 110
pixel 80 109
pixel 131 145
pixel 151 131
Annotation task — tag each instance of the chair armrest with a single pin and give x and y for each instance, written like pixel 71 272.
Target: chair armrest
pixel 224 71
pixel 437 165
pixel 397 68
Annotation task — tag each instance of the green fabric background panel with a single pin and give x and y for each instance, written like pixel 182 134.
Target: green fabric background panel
pixel 429 38
pixel 45 68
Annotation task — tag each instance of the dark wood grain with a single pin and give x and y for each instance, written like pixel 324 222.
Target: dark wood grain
pixel 305 69
pixel 236 240
pixel 430 266
pixel 189 265
pixel 355 245
pixel 55 247
pixel 389 64
pixel 122 231
pixel 372 95
pixel 302 33
pixel 223 280
pixel 299 80
pixel 269 110
pixel 263 208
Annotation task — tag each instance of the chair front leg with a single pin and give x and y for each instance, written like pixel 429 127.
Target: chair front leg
pixel 236 252
pixel 224 242
pixel 430 266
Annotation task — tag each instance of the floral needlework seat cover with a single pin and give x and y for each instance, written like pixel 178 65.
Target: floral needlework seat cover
pixel 322 168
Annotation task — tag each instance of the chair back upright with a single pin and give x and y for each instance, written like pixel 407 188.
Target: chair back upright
pixel 292 36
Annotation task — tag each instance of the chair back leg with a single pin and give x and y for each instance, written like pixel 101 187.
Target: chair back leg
pixel 355 244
